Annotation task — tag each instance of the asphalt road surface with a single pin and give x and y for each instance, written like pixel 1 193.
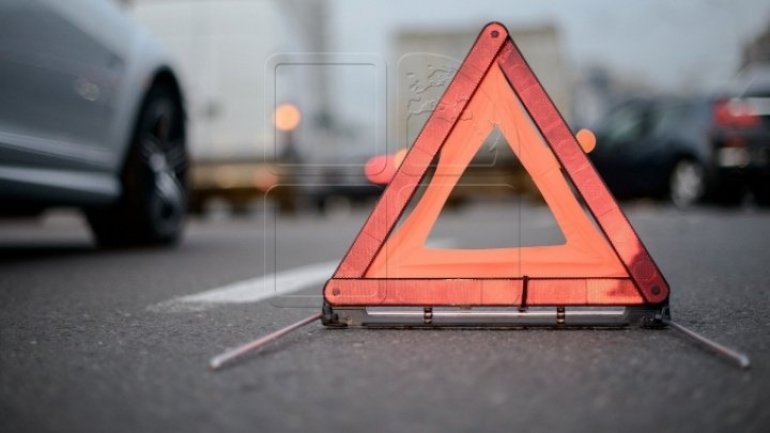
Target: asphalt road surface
pixel 119 341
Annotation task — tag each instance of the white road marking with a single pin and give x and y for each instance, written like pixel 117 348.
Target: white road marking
pixel 251 290
pixel 260 288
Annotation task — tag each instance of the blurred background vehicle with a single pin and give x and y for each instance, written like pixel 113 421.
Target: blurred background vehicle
pixel 345 183
pixel 654 148
pixel 741 136
pixel 245 119
pixel 280 110
pixel 225 50
pixel 691 149
pixel 91 116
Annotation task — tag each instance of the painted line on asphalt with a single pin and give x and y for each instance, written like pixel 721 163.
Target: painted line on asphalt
pixel 260 288
pixel 251 290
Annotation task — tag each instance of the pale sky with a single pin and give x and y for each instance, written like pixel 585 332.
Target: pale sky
pixel 667 43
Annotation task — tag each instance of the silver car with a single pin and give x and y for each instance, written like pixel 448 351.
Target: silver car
pixel 91 116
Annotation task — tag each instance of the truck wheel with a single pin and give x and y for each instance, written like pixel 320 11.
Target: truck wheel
pixel 153 203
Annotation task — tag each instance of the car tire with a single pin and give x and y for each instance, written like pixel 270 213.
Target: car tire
pixel 687 183
pixel 761 195
pixel 152 206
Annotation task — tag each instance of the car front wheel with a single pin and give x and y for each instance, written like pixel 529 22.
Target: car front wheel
pixel 153 203
pixel 687 183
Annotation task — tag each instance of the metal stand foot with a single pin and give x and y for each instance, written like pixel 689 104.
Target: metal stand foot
pixel 735 357
pixel 220 361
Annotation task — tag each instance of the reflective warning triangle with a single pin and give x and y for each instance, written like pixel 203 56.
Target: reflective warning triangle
pixel 602 262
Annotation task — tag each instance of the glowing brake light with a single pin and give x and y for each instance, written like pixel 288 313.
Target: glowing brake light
pixel 735 112
pixel 286 117
pixel 380 169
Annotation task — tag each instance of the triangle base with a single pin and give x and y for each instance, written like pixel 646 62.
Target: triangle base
pixel 560 317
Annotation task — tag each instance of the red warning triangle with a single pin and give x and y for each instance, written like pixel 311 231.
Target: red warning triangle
pixel 599 264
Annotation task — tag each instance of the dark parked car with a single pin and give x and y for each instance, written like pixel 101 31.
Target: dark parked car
pixel 689 150
pixel 91 116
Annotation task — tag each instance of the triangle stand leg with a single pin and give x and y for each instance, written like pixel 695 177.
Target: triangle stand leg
pixel 739 359
pixel 228 357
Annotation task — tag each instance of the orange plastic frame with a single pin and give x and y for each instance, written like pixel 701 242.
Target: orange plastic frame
pixel 601 264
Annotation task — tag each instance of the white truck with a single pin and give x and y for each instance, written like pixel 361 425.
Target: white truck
pixel 223 50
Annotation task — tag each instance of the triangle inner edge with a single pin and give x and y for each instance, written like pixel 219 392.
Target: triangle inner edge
pixel 586 252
